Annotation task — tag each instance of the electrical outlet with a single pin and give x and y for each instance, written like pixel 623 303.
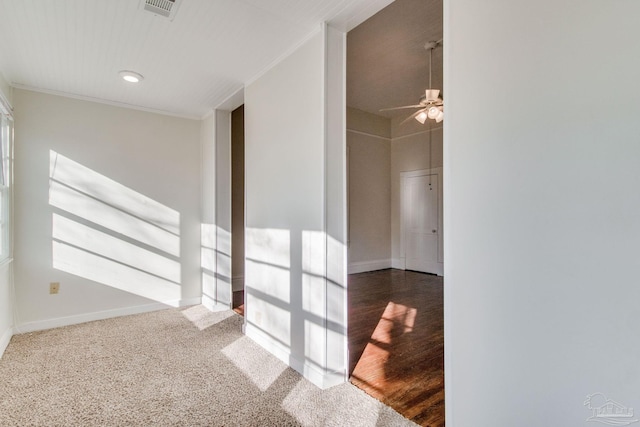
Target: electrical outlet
pixel 54 287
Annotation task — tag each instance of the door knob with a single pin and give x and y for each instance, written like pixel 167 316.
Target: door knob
pixel 434 231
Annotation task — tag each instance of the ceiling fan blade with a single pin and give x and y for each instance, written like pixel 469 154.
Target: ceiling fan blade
pixel 402 108
pixel 413 116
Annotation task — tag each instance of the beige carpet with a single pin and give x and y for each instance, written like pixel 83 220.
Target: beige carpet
pixel 183 367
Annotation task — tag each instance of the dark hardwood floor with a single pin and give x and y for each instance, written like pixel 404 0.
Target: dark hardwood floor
pixel 238 302
pixel 396 341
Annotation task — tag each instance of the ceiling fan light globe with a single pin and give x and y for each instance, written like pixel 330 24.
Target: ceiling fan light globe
pixel 439 117
pixel 433 112
pixel 421 117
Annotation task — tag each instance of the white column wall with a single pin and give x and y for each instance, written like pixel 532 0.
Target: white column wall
pixel 208 212
pixel 6 292
pixel 223 208
pixel 542 210
pixel 295 209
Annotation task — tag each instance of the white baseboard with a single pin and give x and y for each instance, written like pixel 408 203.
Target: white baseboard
pixel 319 378
pixel 190 301
pixel 364 266
pixel 41 325
pixel 213 306
pixel 398 263
pixel 4 340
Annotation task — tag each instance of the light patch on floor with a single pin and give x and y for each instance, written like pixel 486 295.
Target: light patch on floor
pixel 304 397
pixel 258 365
pixel 203 318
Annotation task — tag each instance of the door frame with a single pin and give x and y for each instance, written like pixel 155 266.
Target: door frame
pixel 403 203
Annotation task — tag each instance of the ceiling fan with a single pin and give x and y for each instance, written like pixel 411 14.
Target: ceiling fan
pixel 431 105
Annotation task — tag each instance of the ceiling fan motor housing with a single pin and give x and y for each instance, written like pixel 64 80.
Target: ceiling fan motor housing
pixel 432 95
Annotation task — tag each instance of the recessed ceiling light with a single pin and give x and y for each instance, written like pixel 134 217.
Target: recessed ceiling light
pixel 131 76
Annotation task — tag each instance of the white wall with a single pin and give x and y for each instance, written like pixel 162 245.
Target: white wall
pixel 335 201
pixel 294 300
pixel 6 90
pixel 108 204
pixel 413 147
pixel 369 145
pixel 6 294
pixel 208 206
pixel 6 307
pixel 216 204
pixel 223 208
pixel 542 210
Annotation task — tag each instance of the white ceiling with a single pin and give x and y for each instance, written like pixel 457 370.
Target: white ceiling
pixel 191 64
pixel 387 65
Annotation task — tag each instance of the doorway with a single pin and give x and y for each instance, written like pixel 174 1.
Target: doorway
pixel 395 240
pixel 237 209
pixel 421 221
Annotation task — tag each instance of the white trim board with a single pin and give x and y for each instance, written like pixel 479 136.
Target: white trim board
pixel 230 103
pixel 58 322
pixel 422 132
pixel 398 263
pixel 364 266
pixel 5 339
pixel 319 378
pixel 5 106
pixel 356 13
pixel 211 305
pixel 359 132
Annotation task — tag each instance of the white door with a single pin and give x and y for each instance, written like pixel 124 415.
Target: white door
pixel 422 221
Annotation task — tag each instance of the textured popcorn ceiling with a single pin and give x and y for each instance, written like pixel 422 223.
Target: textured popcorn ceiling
pixel 387 65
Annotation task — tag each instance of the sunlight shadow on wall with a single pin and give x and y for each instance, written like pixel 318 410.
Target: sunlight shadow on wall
pixel 110 234
pixel 223 266
pixel 323 301
pixel 336 300
pixel 289 295
pixel 215 264
pixel 112 205
pixel 267 282
pixel 207 263
pixel 118 250
pixel 313 296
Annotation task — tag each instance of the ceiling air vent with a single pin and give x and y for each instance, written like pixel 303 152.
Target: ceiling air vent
pixel 166 8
